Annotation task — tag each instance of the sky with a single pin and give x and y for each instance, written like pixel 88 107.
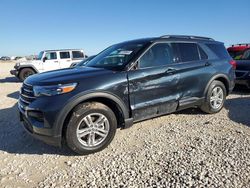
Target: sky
pixel 30 26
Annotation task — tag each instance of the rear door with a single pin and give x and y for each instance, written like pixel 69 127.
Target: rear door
pixel 154 85
pixel 65 59
pixel 195 71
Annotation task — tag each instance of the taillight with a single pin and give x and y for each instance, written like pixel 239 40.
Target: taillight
pixel 233 63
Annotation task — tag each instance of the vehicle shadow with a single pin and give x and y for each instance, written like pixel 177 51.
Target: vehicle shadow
pixel 14 139
pixel 241 90
pixel 14 95
pixel 10 80
pixel 238 110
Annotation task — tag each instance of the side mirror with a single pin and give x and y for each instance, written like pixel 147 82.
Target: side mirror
pixel 135 66
pixel 44 59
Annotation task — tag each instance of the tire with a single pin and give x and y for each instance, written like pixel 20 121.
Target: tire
pixel 217 104
pixel 83 125
pixel 25 73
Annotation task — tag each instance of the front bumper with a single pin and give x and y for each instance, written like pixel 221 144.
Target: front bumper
pixel 14 72
pixel 35 129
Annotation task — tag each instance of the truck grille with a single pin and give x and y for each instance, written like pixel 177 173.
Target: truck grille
pixel 26 95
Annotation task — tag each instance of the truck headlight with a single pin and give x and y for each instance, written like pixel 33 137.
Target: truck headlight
pixel 17 65
pixel 54 89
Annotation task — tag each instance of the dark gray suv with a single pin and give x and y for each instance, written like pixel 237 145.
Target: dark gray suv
pixel 126 83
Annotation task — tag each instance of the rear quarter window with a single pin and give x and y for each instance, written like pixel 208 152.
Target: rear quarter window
pixel 77 54
pixel 219 50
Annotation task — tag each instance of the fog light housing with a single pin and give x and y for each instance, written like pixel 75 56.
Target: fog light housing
pixel 36 115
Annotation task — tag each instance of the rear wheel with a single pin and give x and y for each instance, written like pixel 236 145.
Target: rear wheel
pixel 25 73
pixel 215 98
pixel 91 128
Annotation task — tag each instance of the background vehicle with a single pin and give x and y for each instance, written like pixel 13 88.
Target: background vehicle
pixel 83 62
pixel 5 58
pixel 241 53
pixel 48 60
pixel 128 82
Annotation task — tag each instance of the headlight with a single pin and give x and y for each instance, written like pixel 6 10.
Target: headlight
pixel 53 90
pixel 17 65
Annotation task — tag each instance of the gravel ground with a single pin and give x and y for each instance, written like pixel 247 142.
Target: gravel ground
pixel 184 149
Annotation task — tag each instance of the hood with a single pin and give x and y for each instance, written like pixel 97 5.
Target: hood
pixel 28 62
pixel 64 76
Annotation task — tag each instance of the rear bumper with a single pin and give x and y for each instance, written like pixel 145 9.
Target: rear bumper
pixel 40 133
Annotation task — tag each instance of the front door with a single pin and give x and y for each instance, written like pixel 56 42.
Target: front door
pixel 50 62
pixel 153 86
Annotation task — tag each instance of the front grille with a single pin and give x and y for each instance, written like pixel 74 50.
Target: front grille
pixel 26 95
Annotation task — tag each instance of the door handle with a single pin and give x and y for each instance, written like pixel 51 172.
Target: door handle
pixel 207 63
pixel 55 61
pixel 170 71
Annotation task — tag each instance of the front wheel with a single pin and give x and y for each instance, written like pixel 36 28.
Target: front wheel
pixel 91 128
pixel 215 98
pixel 25 73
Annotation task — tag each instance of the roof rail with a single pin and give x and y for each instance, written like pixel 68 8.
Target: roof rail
pixel 186 37
pixel 242 44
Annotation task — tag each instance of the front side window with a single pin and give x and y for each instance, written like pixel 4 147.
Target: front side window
pixel 64 55
pixel 77 54
pixel 51 55
pixel 158 55
pixel 188 52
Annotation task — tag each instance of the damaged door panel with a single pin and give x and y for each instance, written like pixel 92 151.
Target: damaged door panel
pixel 194 68
pixel 154 86
pixel 153 92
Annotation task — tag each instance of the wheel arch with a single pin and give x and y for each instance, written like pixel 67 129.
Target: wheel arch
pixel 113 102
pixel 219 77
pixel 27 66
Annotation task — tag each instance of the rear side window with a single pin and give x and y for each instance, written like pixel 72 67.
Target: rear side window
pixel 246 55
pixel 77 54
pixel 203 54
pixel 188 52
pixel 219 50
pixel 64 55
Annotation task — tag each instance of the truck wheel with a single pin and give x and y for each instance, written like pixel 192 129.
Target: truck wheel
pixel 215 98
pixel 25 73
pixel 91 128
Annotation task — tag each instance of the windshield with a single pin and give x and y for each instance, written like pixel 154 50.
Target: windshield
pixel 85 61
pixel 116 56
pixel 40 55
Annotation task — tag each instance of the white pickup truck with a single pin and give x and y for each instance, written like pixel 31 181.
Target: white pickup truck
pixel 48 60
